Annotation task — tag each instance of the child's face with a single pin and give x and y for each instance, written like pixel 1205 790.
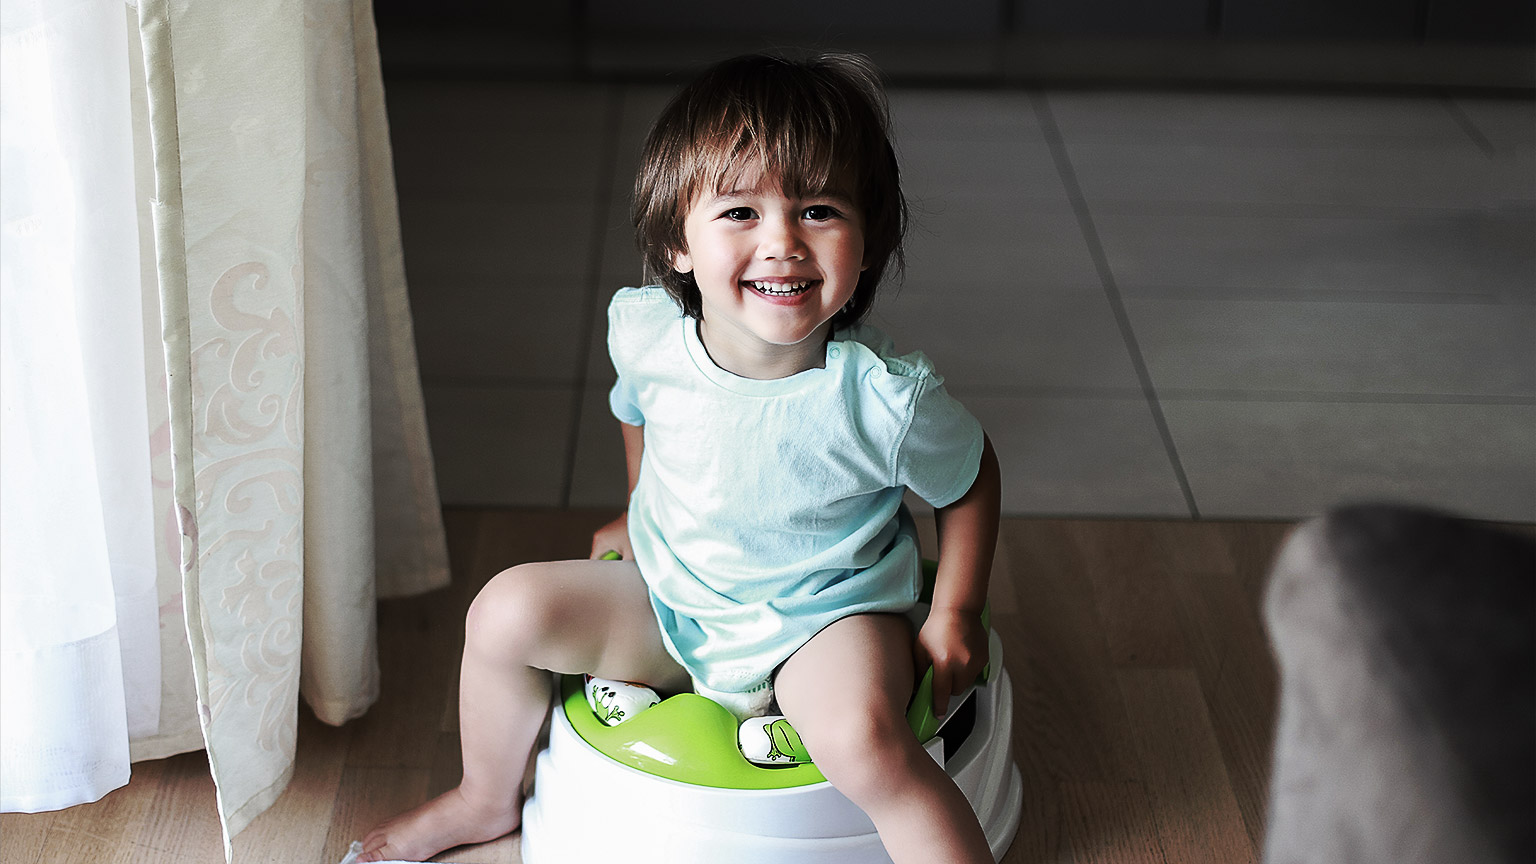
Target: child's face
pixel 772 270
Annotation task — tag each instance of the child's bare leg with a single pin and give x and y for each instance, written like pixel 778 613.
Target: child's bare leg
pixel 566 616
pixel 846 693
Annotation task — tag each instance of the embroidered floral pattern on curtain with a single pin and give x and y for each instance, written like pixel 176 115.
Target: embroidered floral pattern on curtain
pixel 302 475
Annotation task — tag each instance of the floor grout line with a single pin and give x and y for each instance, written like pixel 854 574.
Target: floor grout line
pixel 1469 127
pixel 1111 291
pixel 1215 293
pixel 599 240
pixel 1200 394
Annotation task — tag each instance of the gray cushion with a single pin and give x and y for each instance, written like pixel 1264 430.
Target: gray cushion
pixel 1406 642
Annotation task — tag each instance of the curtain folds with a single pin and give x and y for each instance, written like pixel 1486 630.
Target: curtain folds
pixel 280 473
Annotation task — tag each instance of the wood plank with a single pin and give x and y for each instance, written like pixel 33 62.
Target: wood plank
pixel 365 797
pixel 461 527
pixel 1128 569
pixel 182 822
pixel 290 830
pixel 23 836
pixel 1042 837
pixel 448 632
pixel 447 765
pixel 512 537
pixel 1070 720
pixel 1196 813
pixel 1203 547
pixel 104 830
pixel 1003 588
pixel 1254 546
pixel 420 642
pixel 1110 823
pixel 1238 678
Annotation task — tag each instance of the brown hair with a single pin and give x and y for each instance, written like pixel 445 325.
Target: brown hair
pixel 815 126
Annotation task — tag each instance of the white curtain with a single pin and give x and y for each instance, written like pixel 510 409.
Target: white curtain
pixel 215 457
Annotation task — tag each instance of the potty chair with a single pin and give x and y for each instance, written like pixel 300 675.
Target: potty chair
pixel 670 783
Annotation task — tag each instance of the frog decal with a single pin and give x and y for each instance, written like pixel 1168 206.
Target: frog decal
pixel 781 741
pixel 616 701
pixel 772 741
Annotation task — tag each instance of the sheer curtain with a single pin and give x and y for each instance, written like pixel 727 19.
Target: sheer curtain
pixel 81 672
pixel 215 456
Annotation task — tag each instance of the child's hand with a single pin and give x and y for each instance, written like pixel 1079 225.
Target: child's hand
pixel 613 537
pixel 955 643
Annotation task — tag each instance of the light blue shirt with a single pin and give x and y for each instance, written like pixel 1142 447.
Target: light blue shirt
pixel 766 510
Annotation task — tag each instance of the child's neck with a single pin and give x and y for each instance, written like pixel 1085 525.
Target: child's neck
pixel 765 361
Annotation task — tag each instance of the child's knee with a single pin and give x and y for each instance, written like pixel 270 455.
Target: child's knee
pixel 514 607
pixel 863 751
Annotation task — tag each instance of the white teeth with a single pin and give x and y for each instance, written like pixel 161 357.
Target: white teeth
pixel 780 289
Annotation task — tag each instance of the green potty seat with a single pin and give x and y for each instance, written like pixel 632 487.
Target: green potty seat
pixel 690 739
pixel 686 738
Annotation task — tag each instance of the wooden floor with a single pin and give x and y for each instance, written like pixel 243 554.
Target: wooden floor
pixel 1144 688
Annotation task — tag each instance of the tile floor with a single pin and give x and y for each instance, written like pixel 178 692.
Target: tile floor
pixel 1160 304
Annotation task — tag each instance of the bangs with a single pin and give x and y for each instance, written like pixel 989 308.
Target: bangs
pixel 749 153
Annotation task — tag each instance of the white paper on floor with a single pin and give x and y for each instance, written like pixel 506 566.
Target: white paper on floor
pixel 357 849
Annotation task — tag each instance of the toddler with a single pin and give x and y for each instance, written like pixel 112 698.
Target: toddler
pixel 766 555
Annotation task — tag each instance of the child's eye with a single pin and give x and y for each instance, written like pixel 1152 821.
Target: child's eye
pixel 739 214
pixel 821 212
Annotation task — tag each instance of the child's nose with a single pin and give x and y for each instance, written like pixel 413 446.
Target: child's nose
pixel 781 241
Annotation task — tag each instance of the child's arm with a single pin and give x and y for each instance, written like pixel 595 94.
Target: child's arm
pixel 614 537
pixel 953 639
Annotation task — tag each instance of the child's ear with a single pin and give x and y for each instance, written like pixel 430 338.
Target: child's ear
pixel 682 262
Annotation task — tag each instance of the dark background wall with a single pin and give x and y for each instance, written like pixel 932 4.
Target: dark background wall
pixel 1456 43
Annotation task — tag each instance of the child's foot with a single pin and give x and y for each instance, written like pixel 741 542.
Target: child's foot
pixel 616 701
pixel 444 822
pixel 771 741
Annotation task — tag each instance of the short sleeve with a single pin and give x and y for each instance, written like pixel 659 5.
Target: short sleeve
pixel 623 400
pixel 940 454
pixel 623 403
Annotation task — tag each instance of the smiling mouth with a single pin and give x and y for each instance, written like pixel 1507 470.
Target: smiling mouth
pixel 780 289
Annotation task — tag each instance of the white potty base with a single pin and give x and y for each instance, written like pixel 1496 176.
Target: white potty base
pixel 587 807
